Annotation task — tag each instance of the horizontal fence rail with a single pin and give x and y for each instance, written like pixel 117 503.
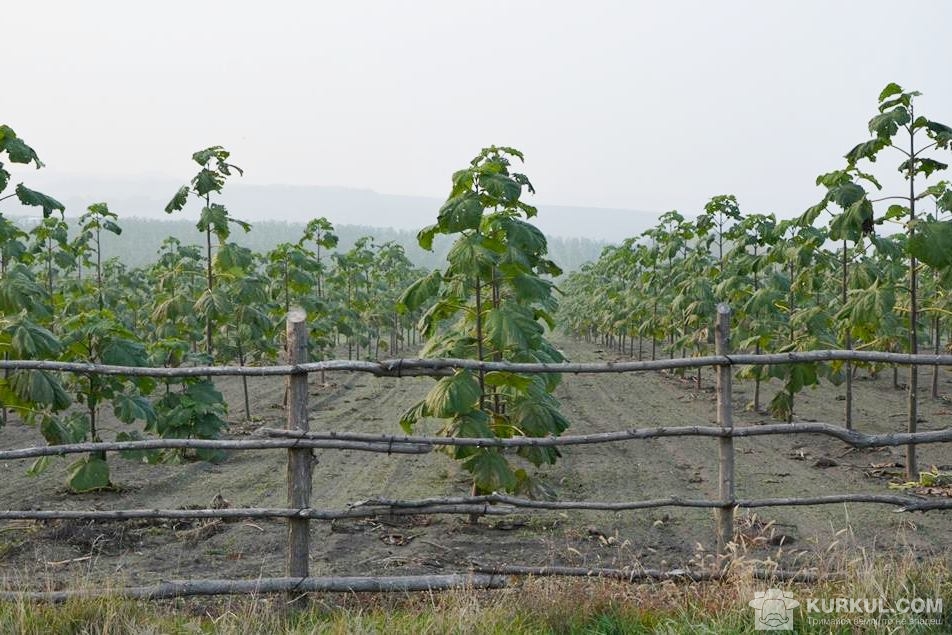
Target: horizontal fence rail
pixel 851 437
pixel 488 505
pixel 397 444
pixel 341 584
pixel 213 444
pixel 481 577
pixel 299 442
pixel 417 366
pixel 478 507
pixel 634 575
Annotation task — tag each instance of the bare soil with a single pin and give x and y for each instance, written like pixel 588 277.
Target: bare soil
pixel 51 554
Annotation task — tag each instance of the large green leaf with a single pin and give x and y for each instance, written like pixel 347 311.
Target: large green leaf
pixel 178 201
pixel 491 471
pixel 855 221
pixel 214 217
pixel 39 387
pixel 523 236
pixel 892 88
pixel 809 217
pixel 512 327
pixel 204 392
pixel 234 257
pixel 531 289
pixel 502 378
pixel 88 474
pixel 207 181
pixel 16 148
pixel 39 466
pixel 19 291
pixel 38 199
pixel 471 254
pixel 846 194
pixel 866 150
pixel 413 414
pixel 426 235
pixel 887 124
pixel 940 132
pixel 420 292
pixel 474 425
pixel 501 187
pixel 461 213
pixel 129 408
pixel 60 430
pixel 932 243
pixel 923 166
pixel 122 352
pixel 462 182
pixel 31 341
pixel 453 395
pixel 213 303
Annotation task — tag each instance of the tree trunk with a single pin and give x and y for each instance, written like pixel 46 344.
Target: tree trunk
pixel 849 345
pixel 211 281
pixel 244 381
pixel 757 382
pixel 936 347
pixel 912 467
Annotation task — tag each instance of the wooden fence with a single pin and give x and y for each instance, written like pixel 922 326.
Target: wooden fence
pixel 299 442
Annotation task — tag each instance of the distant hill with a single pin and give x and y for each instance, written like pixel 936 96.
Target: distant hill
pixel 146 198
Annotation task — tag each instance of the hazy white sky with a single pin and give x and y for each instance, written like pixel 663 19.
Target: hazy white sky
pixel 643 105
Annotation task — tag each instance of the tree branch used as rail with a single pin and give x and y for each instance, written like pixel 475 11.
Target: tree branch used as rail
pixel 905 503
pixel 216 444
pixel 417 366
pixel 333 584
pixel 637 575
pixel 362 511
pixel 482 577
pixel 396 444
pixel 487 504
pixel 851 437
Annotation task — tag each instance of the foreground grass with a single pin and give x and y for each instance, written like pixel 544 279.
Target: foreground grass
pixel 536 606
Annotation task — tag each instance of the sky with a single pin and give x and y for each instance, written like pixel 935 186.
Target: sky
pixel 638 105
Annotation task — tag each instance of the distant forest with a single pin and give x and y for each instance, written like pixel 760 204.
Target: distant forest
pixel 139 243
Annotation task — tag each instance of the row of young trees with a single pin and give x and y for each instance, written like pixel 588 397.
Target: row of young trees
pixel 857 270
pixel 830 278
pixel 214 303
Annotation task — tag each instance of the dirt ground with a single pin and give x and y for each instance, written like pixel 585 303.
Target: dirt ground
pixel 51 554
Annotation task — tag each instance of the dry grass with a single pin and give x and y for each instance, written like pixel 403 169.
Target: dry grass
pixel 542 605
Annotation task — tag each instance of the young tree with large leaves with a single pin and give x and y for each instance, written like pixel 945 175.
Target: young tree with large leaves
pixel 320 232
pixel 23 301
pixel 249 335
pixel 898 129
pixel 96 220
pixel 97 337
pixel 17 151
pixel 490 303
pixel 214 218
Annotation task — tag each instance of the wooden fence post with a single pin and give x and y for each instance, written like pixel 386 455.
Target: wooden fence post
pixel 725 514
pixel 299 459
